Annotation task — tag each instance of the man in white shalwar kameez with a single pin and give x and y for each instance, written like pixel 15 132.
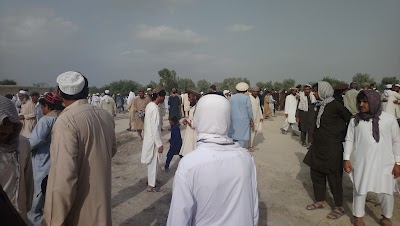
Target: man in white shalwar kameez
pixel 375 138
pixel 216 184
pixel 186 104
pixel 393 98
pixel 152 148
pixel 290 110
pixel 257 115
pixel 27 114
pixel 190 138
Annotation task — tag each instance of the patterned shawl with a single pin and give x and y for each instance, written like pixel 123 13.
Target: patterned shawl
pixel 325 93
pixel 374 102
pixel 9 150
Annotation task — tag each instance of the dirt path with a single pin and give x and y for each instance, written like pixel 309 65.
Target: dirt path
pixel 283 182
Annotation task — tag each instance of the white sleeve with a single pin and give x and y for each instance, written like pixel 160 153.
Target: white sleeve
pixel 182 203
pixel 349 141
pixel 155 114
pixel 255 195
pixel 396 140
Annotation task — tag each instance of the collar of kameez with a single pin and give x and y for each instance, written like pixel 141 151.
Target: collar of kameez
pixel 76 103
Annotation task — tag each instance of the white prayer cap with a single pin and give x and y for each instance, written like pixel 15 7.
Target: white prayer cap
pixel 389 86
pixel 242 87
pixel 107 91
pixel 225 92
pixel 97 94
pixel 23 91
pixel 71 82
pixel 397 85
pixel 149 89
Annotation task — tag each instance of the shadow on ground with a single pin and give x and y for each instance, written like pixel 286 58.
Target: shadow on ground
pixel 141 186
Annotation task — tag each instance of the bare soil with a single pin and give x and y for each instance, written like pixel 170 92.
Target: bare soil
pixel 284 183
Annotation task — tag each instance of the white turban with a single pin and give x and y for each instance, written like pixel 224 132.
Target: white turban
pixel 71 82
pixel 23 92
pixel 242 87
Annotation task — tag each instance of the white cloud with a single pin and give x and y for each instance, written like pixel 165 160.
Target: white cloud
pixel 240 28
pixel 166 34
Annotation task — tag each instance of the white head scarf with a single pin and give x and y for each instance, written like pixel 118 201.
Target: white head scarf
pixel 213 126
pixel 325 93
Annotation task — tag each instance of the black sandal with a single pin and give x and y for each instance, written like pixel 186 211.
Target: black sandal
pixel 336 213
pixel 314 206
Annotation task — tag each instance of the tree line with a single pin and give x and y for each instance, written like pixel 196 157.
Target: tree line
pixel 169 80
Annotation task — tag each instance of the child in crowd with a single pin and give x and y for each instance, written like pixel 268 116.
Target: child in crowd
pixel 175 141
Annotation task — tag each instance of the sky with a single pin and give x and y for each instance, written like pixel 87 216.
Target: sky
pixel 262 40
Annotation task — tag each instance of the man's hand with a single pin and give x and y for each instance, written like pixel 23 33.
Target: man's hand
pixel 286 115
pixel 184 122
pixel 251 123
pixel 297 120
pixel 347 166
pixel 395 101
pixel 161 149
pixel 261 120
pixel 396 171
pixel 21 117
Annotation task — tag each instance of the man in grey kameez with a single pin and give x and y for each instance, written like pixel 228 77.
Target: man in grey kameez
pixel 241 115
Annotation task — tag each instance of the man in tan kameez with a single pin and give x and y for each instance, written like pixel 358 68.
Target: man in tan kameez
pixel 257 116
pixel 138 106
pixel 83 143
pixel 27 114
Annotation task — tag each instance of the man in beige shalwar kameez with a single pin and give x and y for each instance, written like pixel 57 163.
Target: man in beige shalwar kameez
pixel 27 114
pixel 190 138
pixel 138 107
pixel 83 143
pixel 257 115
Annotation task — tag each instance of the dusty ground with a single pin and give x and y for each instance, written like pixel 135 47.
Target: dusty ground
pixel 284 183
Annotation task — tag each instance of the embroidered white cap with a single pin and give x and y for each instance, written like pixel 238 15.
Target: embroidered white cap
pixel 71 82
pixel 242 86
pixel 107 91
pixel 149 89
pixel 389 86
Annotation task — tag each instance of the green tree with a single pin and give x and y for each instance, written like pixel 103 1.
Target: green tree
pixel 185 84
pixel 203 85
pixel 230 83
pixel 8 82
pixel 288 83
pixel 152 85
pixel 168 79
pixel 361 78
pixel 278 85
pixel 332 81
pixel 265 85
pixel 94 89
pixel 389 80
pixel 122 86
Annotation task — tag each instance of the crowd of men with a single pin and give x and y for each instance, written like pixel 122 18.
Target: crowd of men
pixel 56 150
